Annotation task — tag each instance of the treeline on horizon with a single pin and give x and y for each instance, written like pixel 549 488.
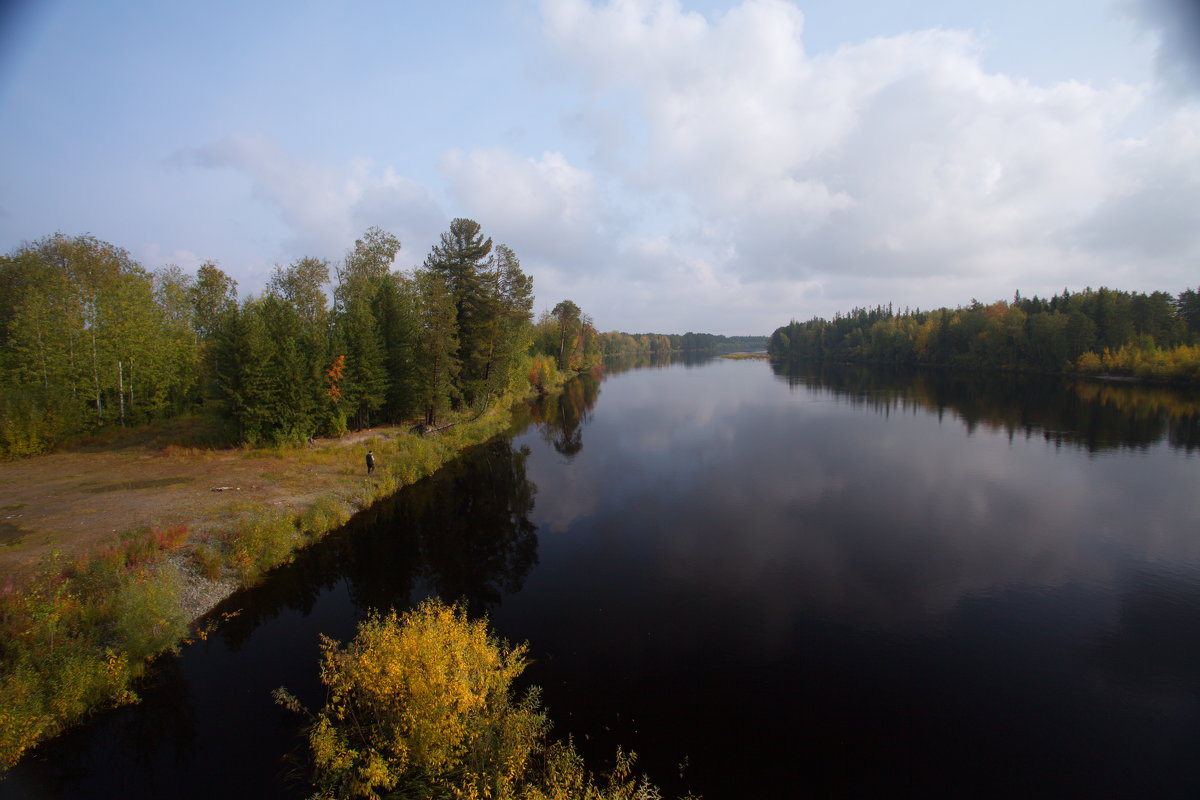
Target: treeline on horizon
pixel 616 343
pixel 1152 336
pixel 89 338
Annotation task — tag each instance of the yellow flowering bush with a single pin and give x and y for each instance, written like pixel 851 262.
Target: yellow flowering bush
pixel 422 705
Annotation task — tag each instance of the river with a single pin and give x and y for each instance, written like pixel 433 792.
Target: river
pixel 768 582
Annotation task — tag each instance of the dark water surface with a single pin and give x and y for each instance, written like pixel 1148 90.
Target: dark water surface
pixel 848 583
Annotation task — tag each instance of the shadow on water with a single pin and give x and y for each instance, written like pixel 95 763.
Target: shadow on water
pixel 462 534
pixel 1094 415
pixel 206 725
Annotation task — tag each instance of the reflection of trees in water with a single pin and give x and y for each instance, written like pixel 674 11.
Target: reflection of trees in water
pixel 464 532
pixel 615 365
pixel 134 737
pixel 1094 415
pixel 561 418
pixel 472 523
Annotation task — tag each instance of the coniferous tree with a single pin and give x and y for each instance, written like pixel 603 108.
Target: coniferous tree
pixel 505 334
pixel 438 344
pixel 460 257
pixel 1188 309
pixel 293 372
pixel 302 287
pixel 395 307
pixel 364 385
pixel 358 332
pixel 242 352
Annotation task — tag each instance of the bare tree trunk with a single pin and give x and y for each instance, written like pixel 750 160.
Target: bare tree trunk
pixel 71 358
pixel 42 358
pixel 96 376
pixel 121 391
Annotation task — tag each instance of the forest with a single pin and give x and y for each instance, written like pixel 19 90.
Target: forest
pixel 616 343
pixel 1104 331
pixel 89 338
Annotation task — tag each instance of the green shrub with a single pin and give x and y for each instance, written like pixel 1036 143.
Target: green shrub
pixel 261 541
pixel 147 616
pixel 325 515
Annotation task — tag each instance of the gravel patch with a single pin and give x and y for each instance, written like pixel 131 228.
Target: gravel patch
pixel 200 595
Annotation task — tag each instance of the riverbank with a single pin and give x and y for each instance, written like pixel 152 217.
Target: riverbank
pixel 111 555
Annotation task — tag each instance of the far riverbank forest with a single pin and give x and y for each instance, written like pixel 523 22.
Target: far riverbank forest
pixel 90 339
pixel 1094 332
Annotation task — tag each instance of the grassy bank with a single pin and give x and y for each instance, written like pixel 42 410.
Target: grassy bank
pixel 76 635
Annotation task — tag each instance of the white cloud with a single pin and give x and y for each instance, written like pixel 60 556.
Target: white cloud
pixel 731 180
pixel 898 160
pixel 1151 214
pixel 327 207
pixel 547 210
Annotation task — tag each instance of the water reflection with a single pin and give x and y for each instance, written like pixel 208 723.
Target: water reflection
pixel 874 600
pixel 560 418
pixel 1095 415
pixel 160 729
pixel 463 533
pixel 615 365
pixel 782 510
pixel 867 584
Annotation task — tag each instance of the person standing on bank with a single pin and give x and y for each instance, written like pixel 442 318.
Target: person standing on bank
pixel 370 462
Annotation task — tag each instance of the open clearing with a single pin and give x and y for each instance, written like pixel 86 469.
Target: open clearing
pixel 79 501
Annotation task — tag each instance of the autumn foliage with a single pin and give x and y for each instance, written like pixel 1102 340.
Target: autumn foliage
pixel 422 705
pixel 1104 331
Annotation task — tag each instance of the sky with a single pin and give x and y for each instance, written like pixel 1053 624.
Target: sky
pixel 669 165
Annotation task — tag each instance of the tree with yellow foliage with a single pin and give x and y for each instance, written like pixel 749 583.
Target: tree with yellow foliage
pixel 420 705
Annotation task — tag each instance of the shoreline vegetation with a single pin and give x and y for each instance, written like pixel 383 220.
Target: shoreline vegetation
pixel 167 443
pixel 289 391
pixel 1106 334
pixel 81 629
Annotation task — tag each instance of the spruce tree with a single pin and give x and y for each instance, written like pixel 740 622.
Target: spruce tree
pixel 438 344
pixel 460 258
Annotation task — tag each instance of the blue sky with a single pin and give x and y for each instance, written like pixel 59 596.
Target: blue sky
pixel 668 165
